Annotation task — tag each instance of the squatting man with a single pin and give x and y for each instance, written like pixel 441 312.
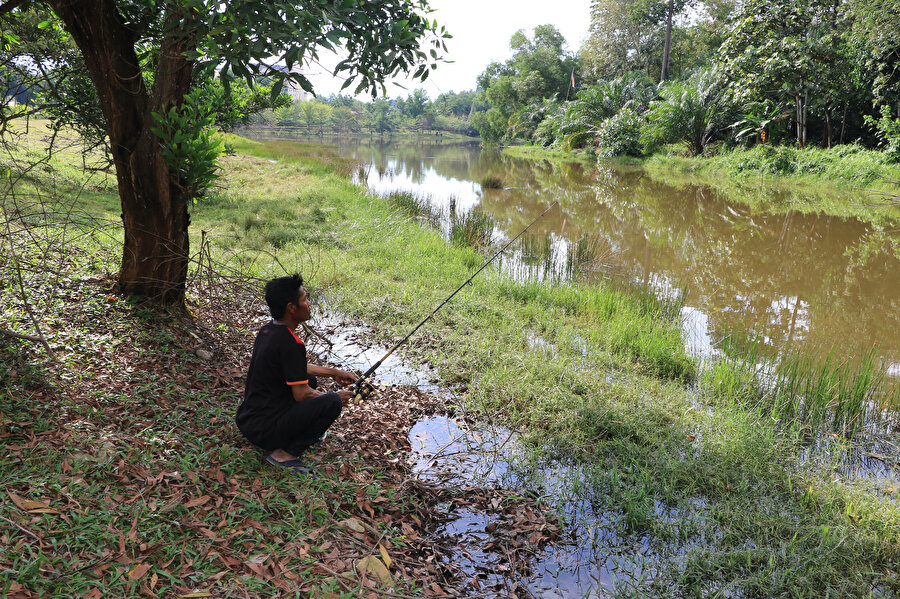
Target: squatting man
pixel 282 413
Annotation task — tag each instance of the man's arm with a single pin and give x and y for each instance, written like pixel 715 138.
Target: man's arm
pixel 341 376
pixel 303 391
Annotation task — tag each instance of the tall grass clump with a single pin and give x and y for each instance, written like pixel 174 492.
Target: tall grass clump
pixel 842 396
pixel 588 254
pixel 473 229
pixel 811 396
pixel 492 182
pixel 416 205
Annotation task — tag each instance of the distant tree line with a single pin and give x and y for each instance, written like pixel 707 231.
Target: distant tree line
pixel 703 73
pixel 450 112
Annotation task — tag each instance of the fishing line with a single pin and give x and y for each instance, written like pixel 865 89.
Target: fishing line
pixel 362 389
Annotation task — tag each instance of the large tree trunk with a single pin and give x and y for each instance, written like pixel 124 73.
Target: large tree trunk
pixel 801 104
pixel 154 209
pixel 665 60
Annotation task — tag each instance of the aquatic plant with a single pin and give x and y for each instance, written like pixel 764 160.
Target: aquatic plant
pixel 492 182
pixel 474 229
pixel 416 205
pixel 804 394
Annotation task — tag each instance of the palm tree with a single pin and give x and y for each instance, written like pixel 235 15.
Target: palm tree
pixel 692 111
pixel 595 104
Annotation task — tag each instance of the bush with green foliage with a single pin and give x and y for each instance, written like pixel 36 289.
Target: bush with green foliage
pixel 692 111
pixel 888 130
pixel 620 135
pixel 595 104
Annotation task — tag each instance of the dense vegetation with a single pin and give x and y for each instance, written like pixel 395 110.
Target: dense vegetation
pixel 817 72
pixel 737 75
pixel 449 112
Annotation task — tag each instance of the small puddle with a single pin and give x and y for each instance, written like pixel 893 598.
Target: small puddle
pixel 449 452
pixel 349 347
pixel 591 560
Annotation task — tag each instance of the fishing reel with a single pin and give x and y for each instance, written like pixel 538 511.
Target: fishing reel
pixel 362 391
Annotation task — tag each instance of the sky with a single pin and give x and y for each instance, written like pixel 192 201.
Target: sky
pixel 481 30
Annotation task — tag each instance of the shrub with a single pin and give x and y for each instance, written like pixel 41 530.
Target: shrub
pixel 888 130
pixel 593 105
pixel 620 135
pixel 492 182
pixel 691 111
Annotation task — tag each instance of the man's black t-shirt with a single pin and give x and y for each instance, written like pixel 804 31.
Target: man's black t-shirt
pixel 278 361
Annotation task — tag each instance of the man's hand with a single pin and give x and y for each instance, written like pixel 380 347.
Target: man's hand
pixel 346 395
pixel 344 377
pixel 341 376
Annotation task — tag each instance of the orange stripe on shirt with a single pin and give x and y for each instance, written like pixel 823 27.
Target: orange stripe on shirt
pixel 299 382
pixel 299 340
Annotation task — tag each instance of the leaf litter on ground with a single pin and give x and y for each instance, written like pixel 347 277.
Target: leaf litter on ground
pixel 125 474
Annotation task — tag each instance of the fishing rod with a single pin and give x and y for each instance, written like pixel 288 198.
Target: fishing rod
pixel 362 389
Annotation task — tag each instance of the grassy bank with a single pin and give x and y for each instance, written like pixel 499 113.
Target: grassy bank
pixel 847 166
pixel 589 374
pixel 846 181
pixel 541 153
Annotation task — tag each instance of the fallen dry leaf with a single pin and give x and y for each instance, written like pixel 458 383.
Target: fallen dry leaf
pixel 138 571
pixel 375 568
pixel 353 524
pixel 384 555
pixel 197 502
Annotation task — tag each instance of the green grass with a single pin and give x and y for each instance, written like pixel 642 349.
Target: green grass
pixel 806 397
pixel 847 165
pixel 842 181
pixel 591 375
pixel 541 153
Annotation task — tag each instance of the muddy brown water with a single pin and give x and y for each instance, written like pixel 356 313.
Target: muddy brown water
pixel 791 279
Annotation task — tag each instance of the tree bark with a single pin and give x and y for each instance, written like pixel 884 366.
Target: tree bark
pixel 665 61
pixel 154 209
pixel 801 120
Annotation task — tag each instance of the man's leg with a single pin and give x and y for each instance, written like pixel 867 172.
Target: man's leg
pixel 305 422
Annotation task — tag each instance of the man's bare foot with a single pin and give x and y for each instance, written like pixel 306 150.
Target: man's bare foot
pixel 280 455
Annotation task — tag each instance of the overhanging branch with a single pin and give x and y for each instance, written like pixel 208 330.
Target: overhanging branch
pixel 10 6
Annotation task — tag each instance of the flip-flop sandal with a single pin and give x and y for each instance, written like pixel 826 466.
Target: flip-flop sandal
pixel 296 465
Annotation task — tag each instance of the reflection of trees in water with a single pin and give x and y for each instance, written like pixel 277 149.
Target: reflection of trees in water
pixel 789 276
pixel 450 160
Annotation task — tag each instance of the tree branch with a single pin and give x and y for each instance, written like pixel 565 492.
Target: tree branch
pixel 11 5
pixel 9 333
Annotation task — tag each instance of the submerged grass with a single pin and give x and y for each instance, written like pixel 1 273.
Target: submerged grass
pixel 605 386
pixel 472 228
pixel 804 395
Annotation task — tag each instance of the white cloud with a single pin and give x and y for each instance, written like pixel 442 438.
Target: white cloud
pixel 481 32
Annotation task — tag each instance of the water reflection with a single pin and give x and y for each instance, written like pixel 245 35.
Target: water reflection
pixel 595 560
pixel 786 277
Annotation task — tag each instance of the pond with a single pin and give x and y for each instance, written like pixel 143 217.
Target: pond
pixel 784 277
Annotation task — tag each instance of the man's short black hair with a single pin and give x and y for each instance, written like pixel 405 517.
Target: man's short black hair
pixel 282 291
